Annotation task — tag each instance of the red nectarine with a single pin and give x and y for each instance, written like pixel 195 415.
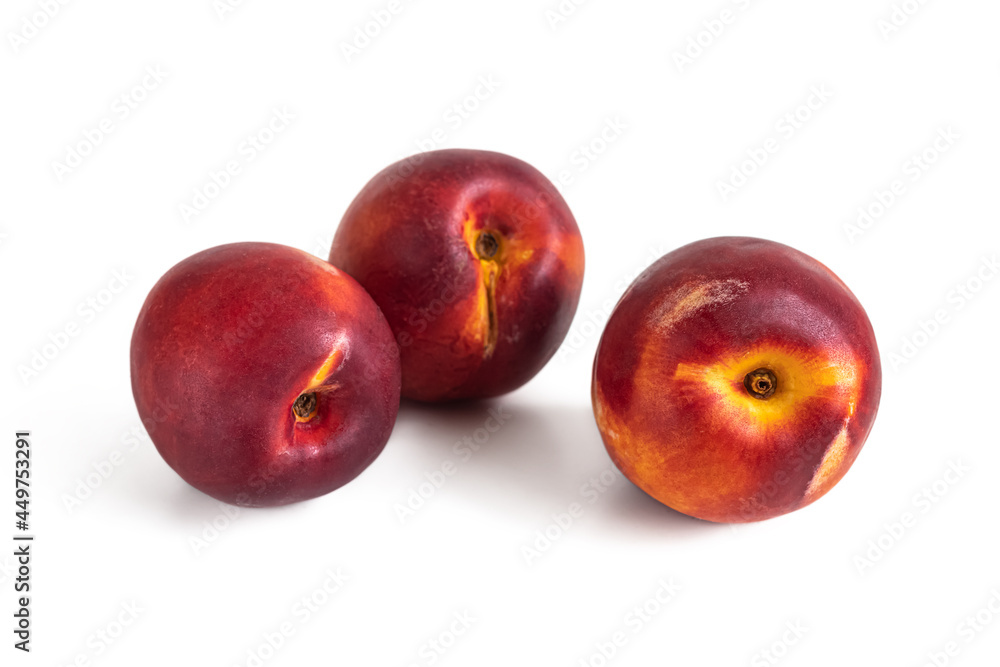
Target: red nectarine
pixel 736 380
pixel 477 263
pixel 264 375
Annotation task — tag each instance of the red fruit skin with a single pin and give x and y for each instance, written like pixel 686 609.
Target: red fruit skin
pixel 409 238
pixel 668 388
pixel 226 342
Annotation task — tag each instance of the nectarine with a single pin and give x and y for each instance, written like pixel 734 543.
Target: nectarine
pixel 265 376
pixel 477 264
pixel 736 380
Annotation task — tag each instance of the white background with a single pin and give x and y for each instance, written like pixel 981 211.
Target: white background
pixel 858 593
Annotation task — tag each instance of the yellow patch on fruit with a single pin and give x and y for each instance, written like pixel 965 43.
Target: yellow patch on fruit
pixel 801 376
pixel 484 324
pixel 306 405
pixel 331 363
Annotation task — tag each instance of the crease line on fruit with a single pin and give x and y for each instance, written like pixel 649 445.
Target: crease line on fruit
pixel 331 363
pixel 490 283
pixel 306 404
pixel 486 245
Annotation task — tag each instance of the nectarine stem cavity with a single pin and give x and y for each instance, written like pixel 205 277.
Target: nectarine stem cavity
pixel 761 383
pixel 487 246
pixel 305 407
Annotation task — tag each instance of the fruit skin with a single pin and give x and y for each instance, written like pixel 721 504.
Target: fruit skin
pixel 668 389
pixel 410 238
pixel 227 341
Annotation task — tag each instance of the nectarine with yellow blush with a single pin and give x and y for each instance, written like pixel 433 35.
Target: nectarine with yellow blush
pixel 736 380
pixel 477 263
